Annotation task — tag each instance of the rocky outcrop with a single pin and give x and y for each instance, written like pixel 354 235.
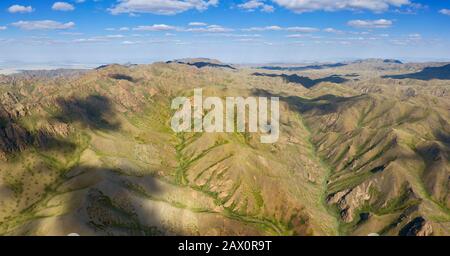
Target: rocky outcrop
pixel 14 137
pixel 11 107
pixel 349 200
pixel 417 227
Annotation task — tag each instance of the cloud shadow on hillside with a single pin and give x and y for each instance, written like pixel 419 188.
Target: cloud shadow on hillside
pixel 14 138
pixel 117 211
pixel 92 208
pixel 305 81
pixel 324 104
pixel 122 77
pixel 429 73
pixel 93 111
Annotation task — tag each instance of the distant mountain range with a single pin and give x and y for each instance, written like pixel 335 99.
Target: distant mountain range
pixel 427 73
pixel 330 65
pixel 316 67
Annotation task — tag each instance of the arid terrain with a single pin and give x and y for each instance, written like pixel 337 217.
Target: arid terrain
pixel 364 148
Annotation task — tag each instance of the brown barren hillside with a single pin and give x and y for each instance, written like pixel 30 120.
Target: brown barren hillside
pixel 360 151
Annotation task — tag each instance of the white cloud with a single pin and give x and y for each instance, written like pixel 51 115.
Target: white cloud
pixel 268 8
pixel 62 6
pixel 268 28
pixel 278 28
pixel 381 23
pixel 90 40
pixel 247 40
pixel 412 8
pixel 163 41
pixel 359 33
pixel 199 24
pixel 124 29
pixel 3 27
pixel 155 27
pixel 332 30
pixel 233 35
pixel 71 33
pixel 114 36
pixel 301 6
pixel 399 42
pixel 130 42
pixel 242 35
pixel 20 9
pixel 253 5
pixel 415 36
pixel 302 29
pixel 99 39
pixel 161 7
pixel 445 11
pixel 411 39
pixel 42 25
pixel 295 36
pixel 210 29
pixel 303 36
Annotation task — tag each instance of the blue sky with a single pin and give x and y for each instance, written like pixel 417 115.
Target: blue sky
pixel 240 31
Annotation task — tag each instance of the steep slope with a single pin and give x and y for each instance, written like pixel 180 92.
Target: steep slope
pixel 94 154
pixel 389 157
pixel 115 166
